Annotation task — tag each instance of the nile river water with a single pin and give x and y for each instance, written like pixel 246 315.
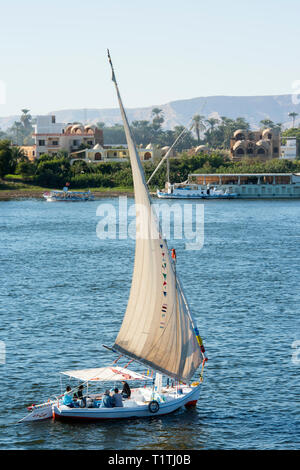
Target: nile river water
pixel 63 293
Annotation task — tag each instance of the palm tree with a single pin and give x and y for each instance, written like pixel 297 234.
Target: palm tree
pixel 212 134
pixel 242 123
pixel 156 111
pixel 26 118
pixel 18 155
pixel 212 122
pixel 267 123
pixel 293 116
pixel 198 125
pixel 143 131
pixel 17 128
pixel 158 119
pixel 100 125
pixel 227 127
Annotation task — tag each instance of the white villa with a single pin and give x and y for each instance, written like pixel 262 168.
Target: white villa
pixel 289 150
pixel 50 136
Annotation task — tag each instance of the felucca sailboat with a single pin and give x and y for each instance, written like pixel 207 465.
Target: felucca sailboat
pixel 158 329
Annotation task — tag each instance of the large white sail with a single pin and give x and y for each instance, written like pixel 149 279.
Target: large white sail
pixel 157 329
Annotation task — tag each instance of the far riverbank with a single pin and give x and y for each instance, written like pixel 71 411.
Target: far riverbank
pixel 6 195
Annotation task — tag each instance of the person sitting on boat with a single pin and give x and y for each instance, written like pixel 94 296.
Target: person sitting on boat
pixel 67 400
pixel 107 401
pixel 126 392
pixel 117 398
pixel 79 395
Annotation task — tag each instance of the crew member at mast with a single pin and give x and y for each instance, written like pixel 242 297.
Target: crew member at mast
pixel 126 392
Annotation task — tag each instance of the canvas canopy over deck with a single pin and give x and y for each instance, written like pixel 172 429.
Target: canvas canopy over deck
pixel 105 374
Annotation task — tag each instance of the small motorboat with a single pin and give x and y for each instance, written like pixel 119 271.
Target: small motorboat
pixel 66 195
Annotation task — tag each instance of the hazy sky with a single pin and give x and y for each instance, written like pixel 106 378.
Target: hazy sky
pixel 53 53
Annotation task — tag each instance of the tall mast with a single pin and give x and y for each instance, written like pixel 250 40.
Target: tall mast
pixel 156 330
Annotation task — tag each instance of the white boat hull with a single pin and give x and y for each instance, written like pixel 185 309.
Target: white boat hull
pixel 72 199
pixel 54 409
pixel 39 412
pixel 67 196
pixel 141 411
pixel 194 195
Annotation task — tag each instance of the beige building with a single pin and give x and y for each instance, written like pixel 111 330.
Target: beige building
pixel 50 136
pixel 29 151
pixel 200 149
pixel 110 153
pixel 263 144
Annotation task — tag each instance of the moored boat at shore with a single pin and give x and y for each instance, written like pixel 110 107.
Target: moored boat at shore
pixel 250 185
pixel 193 191
pixel 235 185
pixel 66 195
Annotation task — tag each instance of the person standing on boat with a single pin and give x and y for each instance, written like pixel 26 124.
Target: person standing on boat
pixel 126 392
pixel 117 398
pixel 107 401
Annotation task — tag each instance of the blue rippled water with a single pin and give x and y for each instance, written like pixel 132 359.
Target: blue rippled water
pixel 64 291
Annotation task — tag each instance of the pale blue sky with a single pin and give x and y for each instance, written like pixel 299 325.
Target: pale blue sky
pixel 53 53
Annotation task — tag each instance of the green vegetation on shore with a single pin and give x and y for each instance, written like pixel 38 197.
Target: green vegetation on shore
pixel 50 172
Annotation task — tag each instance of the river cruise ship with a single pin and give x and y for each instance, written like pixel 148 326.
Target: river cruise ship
pixel 248 185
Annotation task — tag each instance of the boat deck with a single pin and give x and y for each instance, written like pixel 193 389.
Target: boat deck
pixel 143 403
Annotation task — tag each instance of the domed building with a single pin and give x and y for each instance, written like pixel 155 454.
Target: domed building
pixel 240 134
pixel 77 129
pixel 239 148
pixel 267 133
pixel 50 137
pixel 162 151
pixel 78 134
pixel 90 129
pixel 262 145
pixel 202 148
